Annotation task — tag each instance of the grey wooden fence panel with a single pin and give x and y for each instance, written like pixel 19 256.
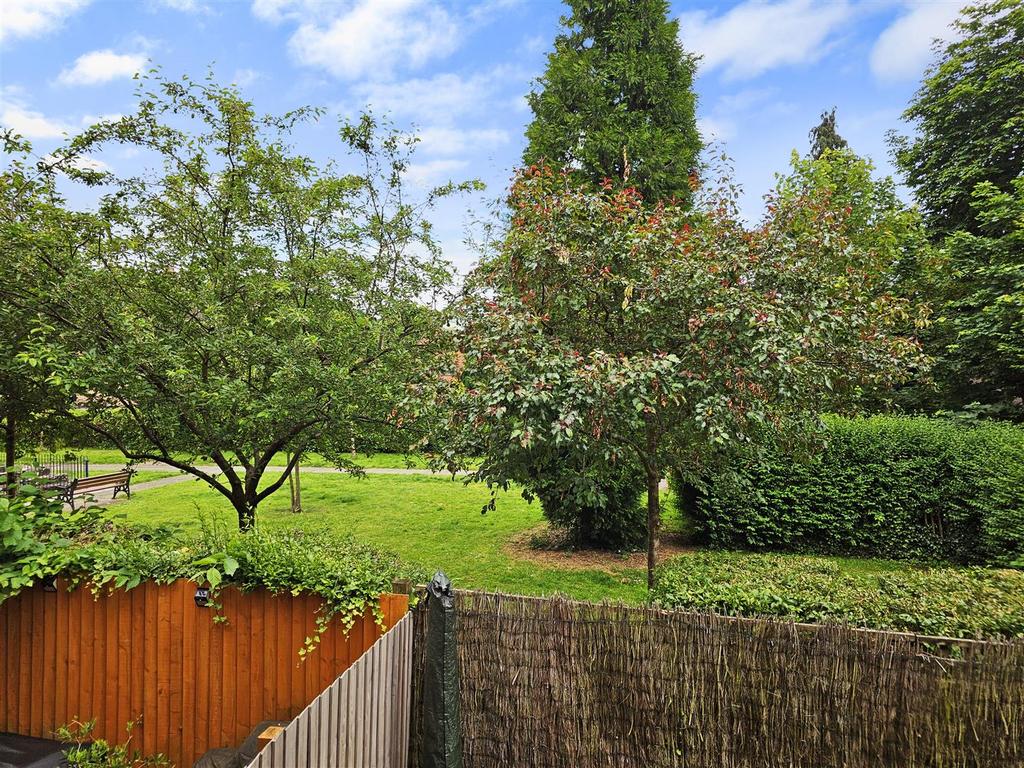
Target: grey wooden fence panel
pixel 361 720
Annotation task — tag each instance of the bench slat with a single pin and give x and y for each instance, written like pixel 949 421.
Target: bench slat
pixel 100 481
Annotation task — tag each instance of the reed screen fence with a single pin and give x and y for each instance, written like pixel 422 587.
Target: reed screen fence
pixel 552 684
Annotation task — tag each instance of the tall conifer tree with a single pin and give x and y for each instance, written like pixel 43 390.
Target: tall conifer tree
pixel 617 99
pixel 825 137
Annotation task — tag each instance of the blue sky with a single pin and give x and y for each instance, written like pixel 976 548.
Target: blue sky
pixel 459 72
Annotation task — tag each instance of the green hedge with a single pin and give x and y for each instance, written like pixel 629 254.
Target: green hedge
pixel 946 601
pixel 904 488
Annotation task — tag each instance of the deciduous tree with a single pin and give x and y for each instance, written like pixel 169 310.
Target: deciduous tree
pixel 665 335
pixel 244 301
pixel 964 166
pixel 35 227
pixel 967 116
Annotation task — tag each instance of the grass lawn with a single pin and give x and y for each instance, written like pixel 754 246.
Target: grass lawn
pixel 432 523
pixel 145 475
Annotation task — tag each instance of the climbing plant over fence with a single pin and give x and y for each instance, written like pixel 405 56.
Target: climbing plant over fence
pixel 552 683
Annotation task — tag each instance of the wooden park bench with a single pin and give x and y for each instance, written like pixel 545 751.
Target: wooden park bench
pixel 119 481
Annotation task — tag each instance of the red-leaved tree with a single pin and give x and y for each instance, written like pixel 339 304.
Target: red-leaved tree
pixel 663 335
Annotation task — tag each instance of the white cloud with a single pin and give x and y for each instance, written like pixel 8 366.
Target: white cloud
pixel 365 38
pixel 713 129
pixel 185 6
pixel 16 115
pixel 273 10
pixel 756 36
pixel 101 67
pixel 243 78
pixel 433 172
pixel 433 100
pixel 30 18
pixel 743 108
pixel 84 163
pixel 456 141
pixel 904 49
pixel 31 124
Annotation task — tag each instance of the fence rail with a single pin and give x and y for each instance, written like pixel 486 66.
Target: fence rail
pixel 151 653
pixel 362 719
pixel 553 683
pixel 66 465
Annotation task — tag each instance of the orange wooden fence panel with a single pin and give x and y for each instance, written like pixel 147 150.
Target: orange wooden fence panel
pixel 150 653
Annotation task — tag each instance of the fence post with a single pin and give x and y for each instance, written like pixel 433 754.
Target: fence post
pixel 442 726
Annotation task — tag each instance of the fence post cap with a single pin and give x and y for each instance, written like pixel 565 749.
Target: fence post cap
pixel 440 585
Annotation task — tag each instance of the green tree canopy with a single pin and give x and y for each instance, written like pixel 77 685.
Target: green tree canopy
pixel 982 321
pixel 965 166
pixel 969 118
pixel 664 336
pixel 825 137
pixel 35 227
pixel 243 301
pixel 617 99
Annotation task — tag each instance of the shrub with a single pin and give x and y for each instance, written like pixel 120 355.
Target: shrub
pixel 599 506
pixel 35 534
pixel 944 601
pixel 85 751
pixel 906 488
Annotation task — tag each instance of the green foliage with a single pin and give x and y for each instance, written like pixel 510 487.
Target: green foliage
pixel 33 224
pixel 824 136
pixel 88 752
pixel 595 505
pixel 243 301
pixel 664 336
pixel 615 105
pixel 965 166
pixel 909 488
pixel 617 99
pixel 36 536
pixel 969 118
pixel 948 602
pixel 873 217
pixel 981 324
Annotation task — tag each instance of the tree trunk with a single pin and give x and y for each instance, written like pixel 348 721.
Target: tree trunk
pixel 653 522
pixel 291 480
pixel 653 503
pixel 10 455
pixel 246 513
pixel 296 489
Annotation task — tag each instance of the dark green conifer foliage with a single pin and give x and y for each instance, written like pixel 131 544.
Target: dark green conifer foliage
pixel 824 135
pixel 617 100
